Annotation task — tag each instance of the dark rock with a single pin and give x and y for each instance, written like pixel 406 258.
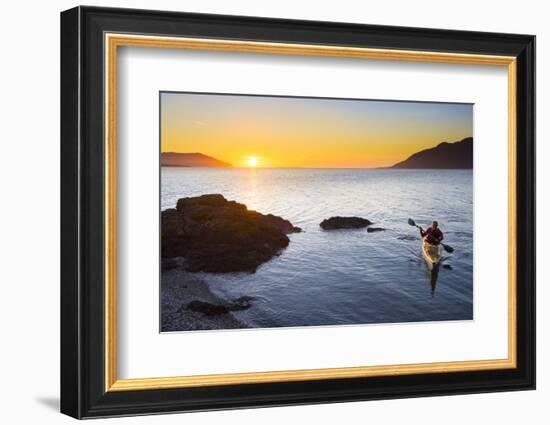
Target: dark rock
pixel 241 303
pixel 168 264
pixel 219 236
pixel 280 223
pixel 211 309
pixel 375 229
pixel 207 308
pixel 447 266
pixel 333 223
pixel 171 263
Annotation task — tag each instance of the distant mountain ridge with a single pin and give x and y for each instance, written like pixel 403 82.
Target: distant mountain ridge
pixel 176 159
pixel 457 155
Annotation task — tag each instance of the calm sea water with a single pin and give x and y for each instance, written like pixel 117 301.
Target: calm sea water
pixel 346 276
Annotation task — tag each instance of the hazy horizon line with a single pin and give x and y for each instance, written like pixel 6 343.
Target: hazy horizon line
pixel 313 168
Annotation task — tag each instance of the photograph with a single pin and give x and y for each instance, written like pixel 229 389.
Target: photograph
pixel 285 211
pixel 288 210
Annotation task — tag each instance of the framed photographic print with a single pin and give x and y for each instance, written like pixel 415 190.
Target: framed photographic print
pixel 261 212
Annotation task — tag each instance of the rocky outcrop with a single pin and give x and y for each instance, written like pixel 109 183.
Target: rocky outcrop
pixel 216 235
pixel 334 223
pixel 211 309
pixel 375 229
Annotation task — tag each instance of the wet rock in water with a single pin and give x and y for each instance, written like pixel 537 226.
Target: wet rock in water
pixel 207 308
pixel 219 236
pixel 241 303
pixel 211 309
pixel 447 266
pixel 334 223
pixel 375 229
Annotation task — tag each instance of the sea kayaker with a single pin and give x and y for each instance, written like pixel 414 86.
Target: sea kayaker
pixel 432 234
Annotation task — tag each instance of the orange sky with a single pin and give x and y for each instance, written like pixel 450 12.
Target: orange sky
pixel 307 132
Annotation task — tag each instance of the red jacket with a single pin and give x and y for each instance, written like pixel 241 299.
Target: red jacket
pixel 433 236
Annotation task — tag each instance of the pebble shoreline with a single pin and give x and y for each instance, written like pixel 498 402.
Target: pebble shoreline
pixel 178 289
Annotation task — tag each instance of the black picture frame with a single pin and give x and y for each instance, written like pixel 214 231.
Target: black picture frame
pixel 83 392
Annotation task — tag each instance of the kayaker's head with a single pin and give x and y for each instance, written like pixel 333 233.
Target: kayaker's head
pixel 434 224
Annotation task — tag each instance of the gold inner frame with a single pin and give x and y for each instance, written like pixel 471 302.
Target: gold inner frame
pixel 113 41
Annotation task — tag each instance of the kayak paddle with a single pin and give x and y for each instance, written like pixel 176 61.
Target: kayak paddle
pixel 446 247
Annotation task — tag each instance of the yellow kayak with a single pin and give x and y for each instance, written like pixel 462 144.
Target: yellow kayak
pixel 431 253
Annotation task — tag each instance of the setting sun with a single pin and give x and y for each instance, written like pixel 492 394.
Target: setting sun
pixel 252 161
pixel 290 132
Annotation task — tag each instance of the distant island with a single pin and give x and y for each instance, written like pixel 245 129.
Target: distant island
pixel 457 155
pixel 176 159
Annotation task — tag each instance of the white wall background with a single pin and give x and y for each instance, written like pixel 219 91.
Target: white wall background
pixel 29 213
